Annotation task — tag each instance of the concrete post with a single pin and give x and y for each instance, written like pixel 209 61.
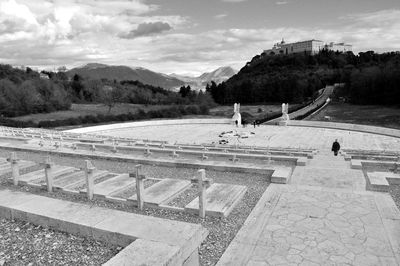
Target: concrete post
pixel 89 172
pixel 14 168
pixel 139 186
pixel 48 170
pixel 202 184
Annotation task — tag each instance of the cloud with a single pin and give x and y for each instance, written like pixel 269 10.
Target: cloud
pixel 233 1
pixel 281 2
pixel 146 29
pixel 220 16
pixel 71 32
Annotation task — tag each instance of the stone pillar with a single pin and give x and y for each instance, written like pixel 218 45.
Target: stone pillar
pixel 202 184
pixel 139 186
pixel 14 168
pixel 89 172
pixel 48 170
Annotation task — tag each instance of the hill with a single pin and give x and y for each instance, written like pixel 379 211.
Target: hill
pixel 119 73
pixel 369 78
pixel 218 75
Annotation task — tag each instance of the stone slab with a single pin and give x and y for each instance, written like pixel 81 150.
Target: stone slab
pixel 113 185
pixel 320 227
pixel 72 178
pixel 40 174
pixel 281 175
pixel 96 175
pixel 163 191
pixel 301 161
pixel 112 226
pixel 220 199
pixel 6 168
pixel 377 182
pixel 355 164
pixel 144 252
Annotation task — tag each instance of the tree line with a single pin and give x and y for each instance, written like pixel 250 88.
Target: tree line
pixel 369 78
pixel 23 91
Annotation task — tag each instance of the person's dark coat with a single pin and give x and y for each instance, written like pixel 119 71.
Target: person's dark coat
pixel 335 146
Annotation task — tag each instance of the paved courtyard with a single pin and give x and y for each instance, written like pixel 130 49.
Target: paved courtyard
pixel 325 217
pixel 274 136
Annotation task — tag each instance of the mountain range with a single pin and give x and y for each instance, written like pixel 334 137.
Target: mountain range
pixel 219 75
pixel 146 76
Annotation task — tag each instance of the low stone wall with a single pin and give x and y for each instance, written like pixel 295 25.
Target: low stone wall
pixel 149 123
pixel 344 126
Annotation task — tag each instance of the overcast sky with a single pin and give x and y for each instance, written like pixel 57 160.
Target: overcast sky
pixel 184 36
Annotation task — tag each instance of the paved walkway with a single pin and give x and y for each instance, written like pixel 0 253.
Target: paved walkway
pixel 265 135
pixel 325 217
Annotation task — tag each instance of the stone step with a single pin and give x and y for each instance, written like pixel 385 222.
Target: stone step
pixel 163 191
pixel 40 174
pixel 112 185
pixel 377 182
pixel 220 199
pixel 380 181
pixel 281 175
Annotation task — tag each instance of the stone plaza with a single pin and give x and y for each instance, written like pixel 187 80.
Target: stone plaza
pixel 319 209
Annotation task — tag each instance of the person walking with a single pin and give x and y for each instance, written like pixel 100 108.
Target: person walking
pixel 335 147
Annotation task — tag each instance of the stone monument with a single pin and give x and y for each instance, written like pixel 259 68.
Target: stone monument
pixel 236 116
pixel 285 115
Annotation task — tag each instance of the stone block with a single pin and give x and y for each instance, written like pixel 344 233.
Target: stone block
pixel 145 252
pixel 301 161
pixel 220 199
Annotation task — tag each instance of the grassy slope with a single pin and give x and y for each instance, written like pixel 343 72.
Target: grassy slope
pixel 90 109
pixel 373 115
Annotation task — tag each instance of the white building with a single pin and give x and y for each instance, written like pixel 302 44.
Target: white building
pixel 310 46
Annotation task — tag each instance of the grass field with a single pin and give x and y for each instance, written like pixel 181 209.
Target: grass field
pixel 373 115
pixel 89 109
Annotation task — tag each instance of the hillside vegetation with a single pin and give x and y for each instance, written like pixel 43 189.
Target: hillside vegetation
pixel 368 77
pixel 24 92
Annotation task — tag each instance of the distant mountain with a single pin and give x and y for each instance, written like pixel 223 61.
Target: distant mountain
pixel 219 75
pixel 99 71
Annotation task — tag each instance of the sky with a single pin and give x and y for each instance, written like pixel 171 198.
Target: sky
pixel 185 37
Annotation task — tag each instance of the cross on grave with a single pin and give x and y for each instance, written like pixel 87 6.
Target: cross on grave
pixel 139 185
pixel 202 184
pixel 147 152
pixel 205 148
pixel 114 148
pixel 89 173
pixel 204 157
pixel 174 154
pixel 41 144
pixel 57 145
pixel 234 159
pixel 396 167
pixel 48 170
pixel 93 148
pixel 73 146
pixel 14 167
pixel 162 146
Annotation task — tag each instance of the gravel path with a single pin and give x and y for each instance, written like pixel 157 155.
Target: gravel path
pixel 185 197
pixel 23 243
pixel 395 193
pixel 221 230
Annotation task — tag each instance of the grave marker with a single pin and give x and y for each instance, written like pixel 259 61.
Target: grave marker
pixel 14 167
pixel 202 184
pixel 89 171
pixel 48 171
pixel 139 186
